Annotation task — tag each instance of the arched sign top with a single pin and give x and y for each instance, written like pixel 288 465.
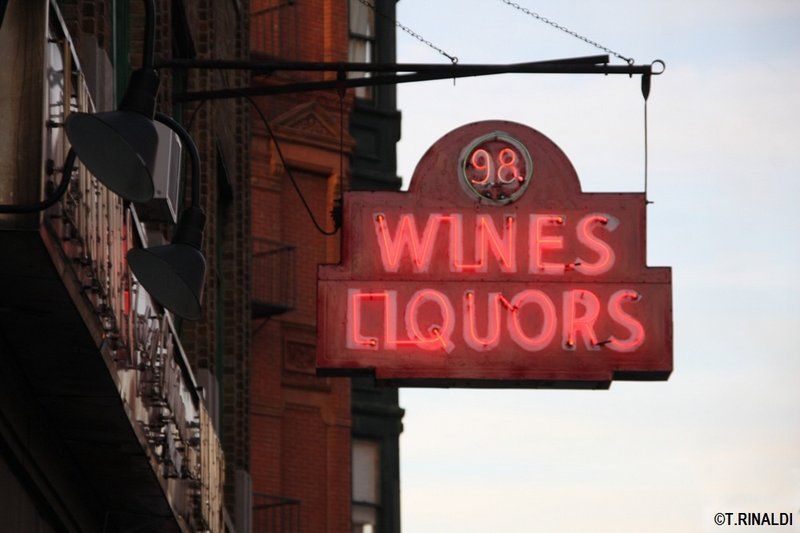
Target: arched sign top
pixel 494 162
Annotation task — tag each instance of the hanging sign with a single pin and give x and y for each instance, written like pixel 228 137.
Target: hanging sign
pixel 495 270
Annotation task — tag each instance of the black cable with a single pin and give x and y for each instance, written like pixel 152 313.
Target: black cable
pixel 288 169
pixel 66 173
pixel 337 211
pixel 194 113
pixel 149 53
pixel 645 152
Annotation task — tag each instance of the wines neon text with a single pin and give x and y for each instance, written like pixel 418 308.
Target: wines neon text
pixel 486 315
pixel 408 242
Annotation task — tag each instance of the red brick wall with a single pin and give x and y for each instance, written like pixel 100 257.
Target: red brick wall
pixel 300 424
pixel 220 30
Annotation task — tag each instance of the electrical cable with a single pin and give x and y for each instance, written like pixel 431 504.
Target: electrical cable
pixel 149 53
pixel 66 172
pixel 288 169
pixel 337 209
pixel 194 113
pixel 645 153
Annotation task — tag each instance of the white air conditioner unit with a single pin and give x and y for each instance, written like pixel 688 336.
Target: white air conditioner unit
pixel 166 179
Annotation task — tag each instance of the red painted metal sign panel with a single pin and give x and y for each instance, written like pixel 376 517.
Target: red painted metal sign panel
pixel 494 269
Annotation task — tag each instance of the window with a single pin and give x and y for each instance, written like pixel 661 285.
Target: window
pixel 366 485
pixel 362 42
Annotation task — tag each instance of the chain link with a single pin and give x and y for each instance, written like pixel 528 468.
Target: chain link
pixel 453 59
pixel 558 26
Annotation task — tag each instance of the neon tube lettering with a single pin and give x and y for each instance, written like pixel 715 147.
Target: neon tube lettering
pixel 635 329
pixel 503 249
pixel 492 338
pixel 583 324
pixel 549 320
pixel 441 333
pixel 357 341
pixel 605 253
pixel 487 166
pixel 486 237
pixel 541 243
pixel 457 246
pixel 508 164
pixel 406 236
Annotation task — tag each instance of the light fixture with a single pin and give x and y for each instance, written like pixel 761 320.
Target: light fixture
pixel 174 274
pixel 119 147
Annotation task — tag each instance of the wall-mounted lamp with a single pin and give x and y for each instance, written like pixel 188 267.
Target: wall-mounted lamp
pixel 119 147
pixel 173 274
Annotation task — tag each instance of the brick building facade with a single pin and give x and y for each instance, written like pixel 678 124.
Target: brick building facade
pixel 300 424
pixel 304 427
pixel 245 369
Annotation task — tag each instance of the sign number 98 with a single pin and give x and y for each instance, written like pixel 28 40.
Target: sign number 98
pixel 496 167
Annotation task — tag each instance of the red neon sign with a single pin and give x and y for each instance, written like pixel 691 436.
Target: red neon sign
pixel 512 278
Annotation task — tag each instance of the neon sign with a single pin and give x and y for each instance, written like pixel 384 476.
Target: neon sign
pixel 515 278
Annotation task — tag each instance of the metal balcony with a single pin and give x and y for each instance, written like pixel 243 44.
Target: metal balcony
pixel 273 278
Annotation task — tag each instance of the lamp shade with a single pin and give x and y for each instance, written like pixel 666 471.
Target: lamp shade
pixel 174 274
pixel 118 148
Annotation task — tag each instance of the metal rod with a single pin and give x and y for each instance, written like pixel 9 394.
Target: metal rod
pixel 66 175
pixel 447 72
pixel 273 66
pixel 149 54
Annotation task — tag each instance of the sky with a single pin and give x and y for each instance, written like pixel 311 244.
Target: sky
pixel 723 433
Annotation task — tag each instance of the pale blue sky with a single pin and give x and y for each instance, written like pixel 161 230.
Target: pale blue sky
pixel 723 434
